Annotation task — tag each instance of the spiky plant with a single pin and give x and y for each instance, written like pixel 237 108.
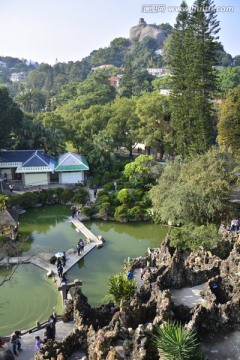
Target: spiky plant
pixel 175 342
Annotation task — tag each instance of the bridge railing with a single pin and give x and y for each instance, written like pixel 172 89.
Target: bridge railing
pixel 37 327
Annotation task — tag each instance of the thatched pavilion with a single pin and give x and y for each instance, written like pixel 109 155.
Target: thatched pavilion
pixel 9 223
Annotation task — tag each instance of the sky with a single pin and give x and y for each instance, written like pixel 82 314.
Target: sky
pixel 69 30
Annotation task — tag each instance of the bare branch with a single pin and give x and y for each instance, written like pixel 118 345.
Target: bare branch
pixel 8 277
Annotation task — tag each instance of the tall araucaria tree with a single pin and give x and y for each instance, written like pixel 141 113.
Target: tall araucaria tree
pixel 192 56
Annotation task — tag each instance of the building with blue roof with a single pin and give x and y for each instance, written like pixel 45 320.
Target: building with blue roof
pixel 35 168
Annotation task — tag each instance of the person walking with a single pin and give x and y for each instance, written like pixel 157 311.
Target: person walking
pixel 52 326
pixel 64 259
pixel 60 270
pixel 79 248
pixel 15 341
pixel 95 191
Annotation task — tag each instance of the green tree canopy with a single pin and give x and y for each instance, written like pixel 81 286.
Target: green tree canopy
pixel 154 112
pixel 195 190
pixel 192 54
pixel 229 79
pixel 228 125
pixel 142 171
pixel 123 123
pixel 11 118
pixel 34 135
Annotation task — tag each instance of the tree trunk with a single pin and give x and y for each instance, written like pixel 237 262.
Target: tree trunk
pixel 147 150
pixel 160 151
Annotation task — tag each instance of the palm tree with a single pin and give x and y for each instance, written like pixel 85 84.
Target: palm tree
pixel 120 288
pixel 175 342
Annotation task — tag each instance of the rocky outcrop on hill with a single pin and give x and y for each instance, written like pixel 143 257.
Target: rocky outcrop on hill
pixel 142 30
pixel 125 333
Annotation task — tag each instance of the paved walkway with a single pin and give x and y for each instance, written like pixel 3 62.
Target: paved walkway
pixel 188 296
pixel 28 341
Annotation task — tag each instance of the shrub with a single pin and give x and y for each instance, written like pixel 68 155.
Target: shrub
pixel 109 186
pixel 124 196
pixel 104 209
pixel 121 213
pixel 66 195
pixel 136 212
pixel 138 194
pixel 81 197
pixel 190 237
pixel 103 198
pixel 86 210
pixel 101 193
pixel 26 200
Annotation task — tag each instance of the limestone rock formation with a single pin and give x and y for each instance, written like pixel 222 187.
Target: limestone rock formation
pixel 142 30
pixel 125 333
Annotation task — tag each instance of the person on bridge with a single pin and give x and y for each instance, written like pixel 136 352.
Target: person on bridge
pixel 15 341
pixel 60 270
pixel 74 211
pixel 64 280
pixel 81 243
pixel 78 247
pixel 64 259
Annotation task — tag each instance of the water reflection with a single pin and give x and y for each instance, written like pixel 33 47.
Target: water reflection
pixel 30 296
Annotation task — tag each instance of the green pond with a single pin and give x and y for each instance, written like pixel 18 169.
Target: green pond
pixel 30 296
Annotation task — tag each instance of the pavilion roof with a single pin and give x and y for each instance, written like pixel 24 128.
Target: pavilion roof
pixel 8 217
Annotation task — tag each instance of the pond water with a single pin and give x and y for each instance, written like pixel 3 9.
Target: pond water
pixel 30 296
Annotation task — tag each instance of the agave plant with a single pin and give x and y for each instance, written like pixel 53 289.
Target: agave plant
pixel 175 342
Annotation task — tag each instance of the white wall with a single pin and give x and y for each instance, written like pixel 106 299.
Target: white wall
pixel 36 179
pixel 71 177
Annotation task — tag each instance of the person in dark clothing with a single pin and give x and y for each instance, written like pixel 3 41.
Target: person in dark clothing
pixel 49 332
pixel 130 274
pixel 64 259
pixel 52 327
pixel 15 340
pixel 64 280
pixel 59 262
pixel 60 270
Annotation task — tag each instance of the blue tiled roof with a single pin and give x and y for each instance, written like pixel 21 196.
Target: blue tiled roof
pixel 31 159
pixel 38 158
pixel 15 155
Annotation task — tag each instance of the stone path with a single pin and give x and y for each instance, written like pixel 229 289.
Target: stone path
pixel 188 296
